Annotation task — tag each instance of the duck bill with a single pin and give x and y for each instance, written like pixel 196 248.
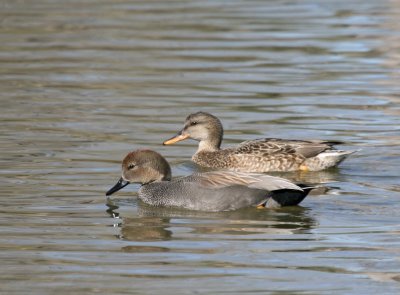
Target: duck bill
pixel 176 138
pixel 120 184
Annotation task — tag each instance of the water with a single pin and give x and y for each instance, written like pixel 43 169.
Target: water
pixel 84 82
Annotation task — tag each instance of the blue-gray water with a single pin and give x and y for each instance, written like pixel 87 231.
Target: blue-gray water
pixel 84 82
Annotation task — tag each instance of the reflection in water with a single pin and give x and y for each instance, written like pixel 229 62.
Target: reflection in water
pixel 160 223
pixel 141 227
pixel 145 229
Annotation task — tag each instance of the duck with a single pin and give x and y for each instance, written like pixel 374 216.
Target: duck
pixel 208 191
pixel 259 155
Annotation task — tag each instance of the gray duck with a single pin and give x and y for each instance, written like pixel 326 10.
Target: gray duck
pixel 209 191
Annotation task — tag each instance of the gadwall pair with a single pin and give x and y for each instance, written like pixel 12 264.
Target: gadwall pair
pixel 227 190
pixel 260 155
pixel 210 191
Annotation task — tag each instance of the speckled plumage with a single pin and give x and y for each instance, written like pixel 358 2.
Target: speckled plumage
pixel 260 155
pixel 210 191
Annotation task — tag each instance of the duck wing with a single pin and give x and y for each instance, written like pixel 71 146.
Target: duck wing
pixel 306 148
pixel 222 179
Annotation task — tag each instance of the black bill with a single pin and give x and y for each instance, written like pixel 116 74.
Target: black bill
pixel 120 184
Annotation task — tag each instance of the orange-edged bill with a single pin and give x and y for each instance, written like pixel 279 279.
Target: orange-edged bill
pixel 176 138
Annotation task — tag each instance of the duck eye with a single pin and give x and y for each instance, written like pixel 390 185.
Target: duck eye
pixel 131 166
pixel 193 123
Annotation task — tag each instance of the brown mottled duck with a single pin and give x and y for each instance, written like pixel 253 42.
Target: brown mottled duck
pixel 259 155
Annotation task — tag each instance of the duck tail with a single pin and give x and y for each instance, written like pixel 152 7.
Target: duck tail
pixel 333 142
pixel 287 197
pixel 327 159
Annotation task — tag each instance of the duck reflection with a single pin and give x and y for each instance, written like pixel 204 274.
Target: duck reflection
pixel 149 223
pixel 139 227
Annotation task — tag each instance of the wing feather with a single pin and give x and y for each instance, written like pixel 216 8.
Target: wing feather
pixel 220 179
pixel 283 146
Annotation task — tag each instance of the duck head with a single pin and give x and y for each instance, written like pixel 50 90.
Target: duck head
pixel 203 127
pixel 142 166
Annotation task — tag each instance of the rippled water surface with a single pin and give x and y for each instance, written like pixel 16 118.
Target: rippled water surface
pixel 84 82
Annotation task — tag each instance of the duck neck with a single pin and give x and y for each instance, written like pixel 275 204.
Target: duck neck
pixel 212 144
pixel 159 179
pixel 161 171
